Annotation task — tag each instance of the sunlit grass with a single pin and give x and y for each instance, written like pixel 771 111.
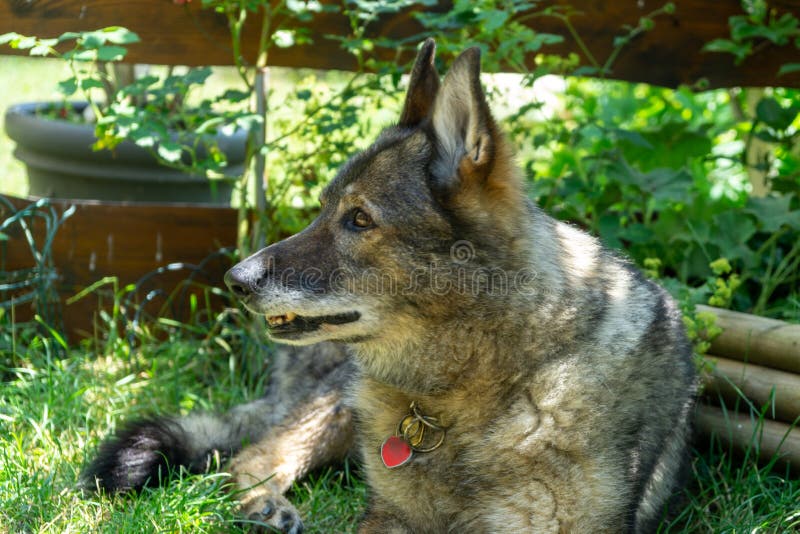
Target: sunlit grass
pixel 55 411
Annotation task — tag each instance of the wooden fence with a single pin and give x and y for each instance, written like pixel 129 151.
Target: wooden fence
pixel 670 54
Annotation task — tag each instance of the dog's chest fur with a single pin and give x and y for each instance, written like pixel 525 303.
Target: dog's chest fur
pixel 517 457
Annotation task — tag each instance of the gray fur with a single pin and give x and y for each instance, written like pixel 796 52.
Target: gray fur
pixel 563 376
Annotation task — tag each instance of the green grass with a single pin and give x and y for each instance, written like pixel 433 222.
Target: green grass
pixel 730 495
pixel 54 412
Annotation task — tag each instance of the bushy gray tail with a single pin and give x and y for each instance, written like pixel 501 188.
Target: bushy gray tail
pixel 143 452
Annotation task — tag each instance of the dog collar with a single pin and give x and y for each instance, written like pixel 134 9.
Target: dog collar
pixel 416 433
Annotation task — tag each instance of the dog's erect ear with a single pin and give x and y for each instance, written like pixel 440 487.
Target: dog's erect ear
pixel 464 127
pixel 422 87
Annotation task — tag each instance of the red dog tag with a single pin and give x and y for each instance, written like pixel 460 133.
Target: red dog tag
pixel 395 452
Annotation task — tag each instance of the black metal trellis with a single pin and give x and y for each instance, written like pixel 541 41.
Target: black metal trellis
pixel 35 226
pixel 35 284
pixel 175 303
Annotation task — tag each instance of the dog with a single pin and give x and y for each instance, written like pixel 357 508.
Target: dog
pixel 505 371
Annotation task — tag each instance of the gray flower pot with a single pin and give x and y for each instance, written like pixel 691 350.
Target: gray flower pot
pixel 61 163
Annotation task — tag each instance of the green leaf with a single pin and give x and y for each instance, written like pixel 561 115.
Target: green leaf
pixel 740 50
pixel 770 112
pixel 210 125
pixel 668 184
pixel 672 145
pixel 9 37
pixel 494 19
pixel 170 151
pixel 23 42
pixel 81 55
pixel 197 75
pixel 44 48
pixel 234 95
pixel 634 138
pixel 742 28
pixel 144 139
pixel 541 39
pixel 637 233
pixel 68 36
pixel 788 68
pixel 90 83
pixel 68 87
pixel 773 212
pixel 249 122
pixel 732 232
pixel 283 38
pixel 764 135
pixel 92 40
pixel 120 35
pixel 585 70
pixel 111 53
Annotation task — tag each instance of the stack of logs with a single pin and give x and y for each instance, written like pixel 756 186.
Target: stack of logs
pixel 757 358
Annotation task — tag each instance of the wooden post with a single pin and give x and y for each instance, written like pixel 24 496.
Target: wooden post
pixel 759 384
pixel 758 340
pixel 768 437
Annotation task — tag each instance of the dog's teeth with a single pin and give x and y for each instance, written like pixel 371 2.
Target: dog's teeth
pixel 277 320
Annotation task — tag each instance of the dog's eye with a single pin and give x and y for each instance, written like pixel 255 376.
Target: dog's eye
pixel 360 219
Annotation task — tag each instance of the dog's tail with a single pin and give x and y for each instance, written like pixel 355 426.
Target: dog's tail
pixel 142 452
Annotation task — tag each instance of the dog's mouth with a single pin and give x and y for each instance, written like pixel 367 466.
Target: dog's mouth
pixel 291 325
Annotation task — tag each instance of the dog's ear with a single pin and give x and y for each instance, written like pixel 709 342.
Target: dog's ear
pixel 465 131
pixel 422 87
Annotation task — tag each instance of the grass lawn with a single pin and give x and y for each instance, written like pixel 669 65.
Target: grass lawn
pixel 55 410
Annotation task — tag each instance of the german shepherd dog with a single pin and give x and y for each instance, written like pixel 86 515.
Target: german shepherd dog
pixel 507 373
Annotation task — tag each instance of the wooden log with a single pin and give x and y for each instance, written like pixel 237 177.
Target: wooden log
pixel 770 437
pixel 670 54
pixel 758 340
pixel 757 384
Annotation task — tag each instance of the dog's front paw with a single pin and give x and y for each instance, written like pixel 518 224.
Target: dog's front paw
pixel 272 514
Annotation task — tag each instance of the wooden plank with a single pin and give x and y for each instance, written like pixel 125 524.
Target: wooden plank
pixel 127 241
pixel 759 340
pixel 669 55
pixel 765 387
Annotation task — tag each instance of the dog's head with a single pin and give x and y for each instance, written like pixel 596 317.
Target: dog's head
pixel 401 227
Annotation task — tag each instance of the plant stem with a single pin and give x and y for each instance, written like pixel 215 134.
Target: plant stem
pixel 774 278
pixel 310 114
pixel 236 22
pixel 578 40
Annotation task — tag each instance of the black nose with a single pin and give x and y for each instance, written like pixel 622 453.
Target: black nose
pixel 237 281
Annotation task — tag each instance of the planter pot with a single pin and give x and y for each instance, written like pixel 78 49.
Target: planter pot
pixel 61 163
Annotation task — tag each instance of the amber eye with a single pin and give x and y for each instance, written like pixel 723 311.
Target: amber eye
pixel 359 219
